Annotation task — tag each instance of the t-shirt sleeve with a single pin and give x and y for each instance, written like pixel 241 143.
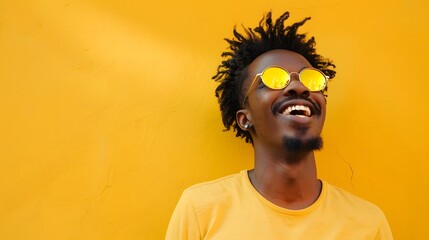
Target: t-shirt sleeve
pixel 184 223
pixel 384 232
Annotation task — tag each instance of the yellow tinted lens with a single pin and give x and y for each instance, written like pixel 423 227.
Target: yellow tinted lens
pixel 313 79
pixel 275 78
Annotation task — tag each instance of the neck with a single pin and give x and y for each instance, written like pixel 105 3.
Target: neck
pixel 287 180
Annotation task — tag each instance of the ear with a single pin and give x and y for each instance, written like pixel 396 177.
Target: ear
pixel 243 119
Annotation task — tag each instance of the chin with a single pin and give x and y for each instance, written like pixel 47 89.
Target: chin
pixel 294 144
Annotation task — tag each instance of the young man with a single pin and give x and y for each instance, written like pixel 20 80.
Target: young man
pixel 272 93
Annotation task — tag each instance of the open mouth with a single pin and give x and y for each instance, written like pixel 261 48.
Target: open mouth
pixel 297 110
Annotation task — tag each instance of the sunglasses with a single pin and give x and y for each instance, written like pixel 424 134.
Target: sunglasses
pixel 277 78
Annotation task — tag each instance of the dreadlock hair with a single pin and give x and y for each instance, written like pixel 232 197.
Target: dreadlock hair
pixel 245 48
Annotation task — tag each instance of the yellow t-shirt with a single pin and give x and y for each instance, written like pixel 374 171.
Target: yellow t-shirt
pixel 231 208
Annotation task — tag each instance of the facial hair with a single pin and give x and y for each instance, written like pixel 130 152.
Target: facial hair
pixel 296 145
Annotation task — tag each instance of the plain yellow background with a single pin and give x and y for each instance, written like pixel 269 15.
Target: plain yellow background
pixel 108 110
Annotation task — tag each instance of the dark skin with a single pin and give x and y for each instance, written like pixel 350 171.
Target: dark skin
pixel 284 177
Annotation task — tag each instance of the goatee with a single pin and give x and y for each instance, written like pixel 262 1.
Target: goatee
pixel 295 145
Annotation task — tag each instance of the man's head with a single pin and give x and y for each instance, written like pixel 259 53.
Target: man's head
pixel 269 44
pixel 290 118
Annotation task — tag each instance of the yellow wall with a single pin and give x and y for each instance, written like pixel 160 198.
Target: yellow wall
pixel 108 111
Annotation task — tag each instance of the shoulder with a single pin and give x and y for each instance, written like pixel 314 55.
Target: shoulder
pixel 346 201
pixel 198 204
pixel 215 190
pixel 208 200
pixel 358 212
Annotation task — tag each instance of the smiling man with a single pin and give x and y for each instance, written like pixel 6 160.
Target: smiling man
pixel 272 92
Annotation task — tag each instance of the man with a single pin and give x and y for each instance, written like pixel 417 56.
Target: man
pixel 272 92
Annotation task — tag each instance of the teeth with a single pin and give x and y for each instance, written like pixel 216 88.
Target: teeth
pixel 305 109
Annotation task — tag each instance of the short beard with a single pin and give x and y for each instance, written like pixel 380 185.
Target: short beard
pixel 295 145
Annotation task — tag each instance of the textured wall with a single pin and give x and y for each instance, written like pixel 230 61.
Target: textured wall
pixel 108 111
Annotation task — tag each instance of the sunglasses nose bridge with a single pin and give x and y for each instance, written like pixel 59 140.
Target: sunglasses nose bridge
pixel 295 86
pixel 294 73
pixel 291 76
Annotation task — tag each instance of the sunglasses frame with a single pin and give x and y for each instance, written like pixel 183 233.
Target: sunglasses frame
pixel 288 80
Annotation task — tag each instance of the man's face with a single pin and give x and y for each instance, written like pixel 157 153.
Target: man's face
pixel 270 111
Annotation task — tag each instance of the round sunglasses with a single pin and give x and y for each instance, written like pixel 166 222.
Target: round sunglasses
pixel 276 78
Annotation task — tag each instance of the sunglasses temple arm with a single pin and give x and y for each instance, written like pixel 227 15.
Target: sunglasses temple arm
pixel 248 90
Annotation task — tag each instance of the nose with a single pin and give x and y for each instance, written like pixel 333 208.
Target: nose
pixel 295 87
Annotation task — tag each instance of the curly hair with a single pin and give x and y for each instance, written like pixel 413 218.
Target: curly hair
pixel 245 48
